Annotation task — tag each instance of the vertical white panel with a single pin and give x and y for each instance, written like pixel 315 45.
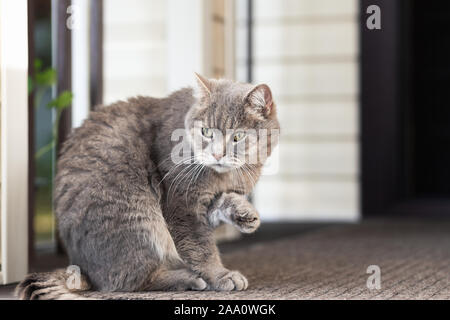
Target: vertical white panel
pixel 80 61
pixel 188 49
pixel 14 139
pixel 241 52
pixel 230 39
pixel 134 49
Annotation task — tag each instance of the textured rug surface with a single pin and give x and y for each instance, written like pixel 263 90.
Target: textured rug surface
pixel 331 263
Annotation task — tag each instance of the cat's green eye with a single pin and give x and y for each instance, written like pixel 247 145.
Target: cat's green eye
pixel 238 136
pixel 207 132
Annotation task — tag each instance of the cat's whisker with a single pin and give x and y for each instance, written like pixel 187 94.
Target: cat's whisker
pixel 250 171
pixel 169 157
pixel 245 170
pixel 168 173
pixel 240 176
pixel 198 175
pixel 237 174
pixel 189 173
pixel 197 170
pixel 181 171
pixel 164 161
pixel 174 184
pixel 242 173
pixel 242 166
pixel 197 164
pixel 177 165
pixel 184 170
pixel 181 163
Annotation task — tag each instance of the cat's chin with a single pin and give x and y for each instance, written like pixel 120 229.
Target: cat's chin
pixel 220 168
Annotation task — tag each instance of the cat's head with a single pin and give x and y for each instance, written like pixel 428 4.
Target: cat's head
pixel 232 124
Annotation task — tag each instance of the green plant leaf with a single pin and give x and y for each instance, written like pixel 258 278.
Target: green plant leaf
pixel 65 99
pixel 30 85
pixel 43 150
pixel 62 101
pixel 46 77
pixel 37 64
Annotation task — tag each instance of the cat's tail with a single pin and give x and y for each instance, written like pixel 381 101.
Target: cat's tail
pixel 52 286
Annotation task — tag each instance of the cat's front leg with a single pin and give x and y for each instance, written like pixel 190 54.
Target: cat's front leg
pixel 236 210
pixel 195 242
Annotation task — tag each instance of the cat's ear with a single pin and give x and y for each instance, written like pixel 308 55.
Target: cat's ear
pixel 203 83
pixel 260 98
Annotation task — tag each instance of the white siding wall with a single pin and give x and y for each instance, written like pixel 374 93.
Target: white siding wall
pixel 14 140
pixel 307 51
pixel 152 47
pixel 135 50
pixel 218 35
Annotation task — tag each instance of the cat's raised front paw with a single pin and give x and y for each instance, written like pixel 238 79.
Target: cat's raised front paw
pixel 229 281
pixel 246 219
pixel 239 212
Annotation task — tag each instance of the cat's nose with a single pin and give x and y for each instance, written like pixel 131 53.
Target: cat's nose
pixel 217 156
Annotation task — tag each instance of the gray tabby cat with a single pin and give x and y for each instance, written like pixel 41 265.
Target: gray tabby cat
pixel 131 218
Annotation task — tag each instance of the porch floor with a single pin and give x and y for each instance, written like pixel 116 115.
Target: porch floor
pixel 330 262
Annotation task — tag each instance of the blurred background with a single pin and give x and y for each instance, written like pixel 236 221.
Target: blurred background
pixel 355 142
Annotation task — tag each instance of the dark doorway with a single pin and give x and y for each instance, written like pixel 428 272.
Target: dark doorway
pixel 430 39
pixel 405 109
